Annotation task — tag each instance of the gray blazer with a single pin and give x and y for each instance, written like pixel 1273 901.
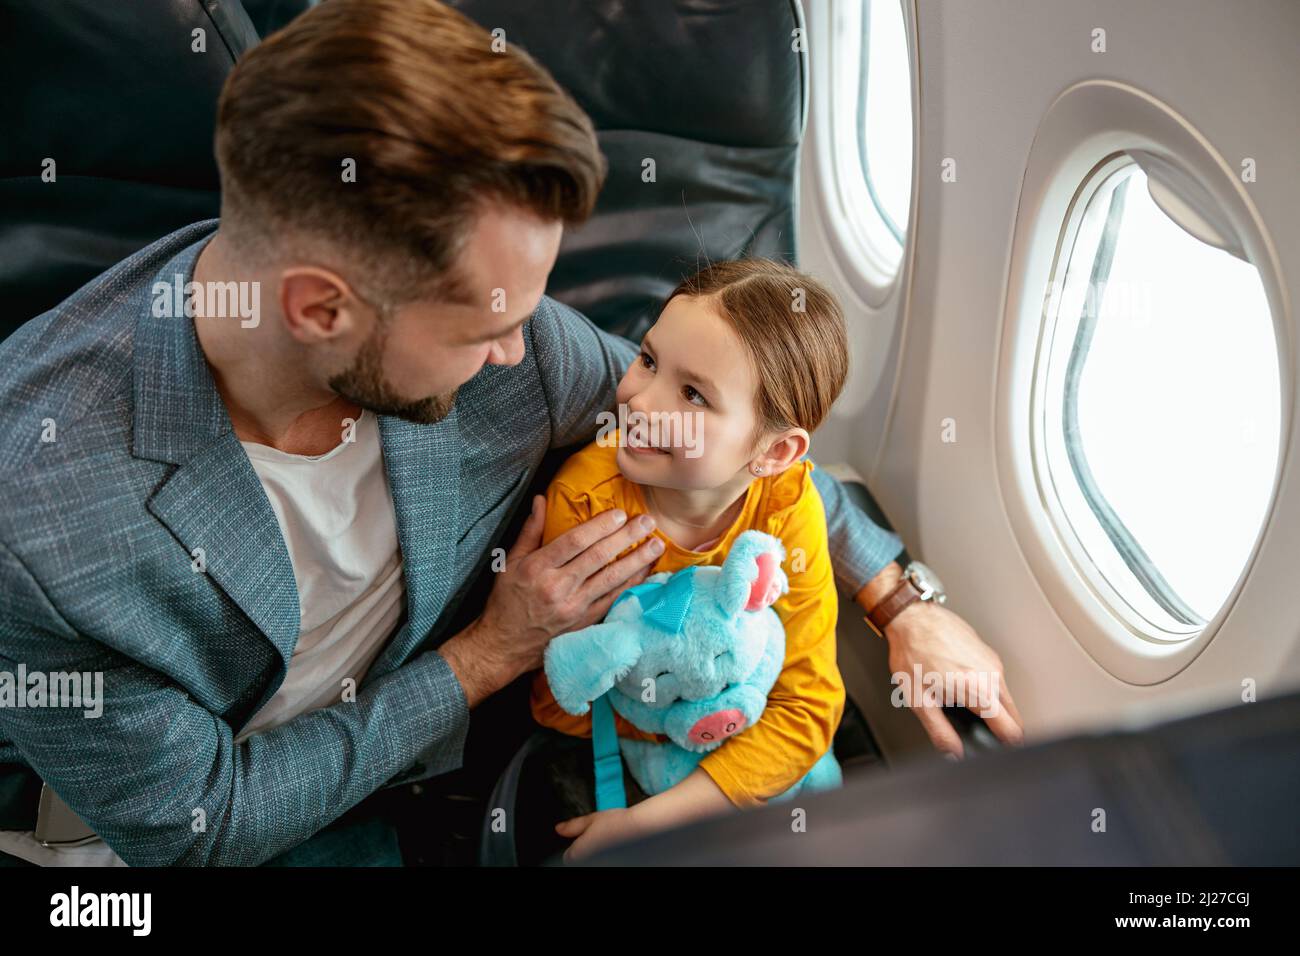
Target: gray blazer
pixel 96 571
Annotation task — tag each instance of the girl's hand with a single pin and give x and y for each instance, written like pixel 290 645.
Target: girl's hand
pixel 691 799
pixel 595 831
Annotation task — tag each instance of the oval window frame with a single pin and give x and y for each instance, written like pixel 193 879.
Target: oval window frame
pixel 1091 126
pixel 834 153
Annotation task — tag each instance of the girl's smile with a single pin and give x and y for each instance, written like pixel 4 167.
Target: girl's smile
pixel 693 370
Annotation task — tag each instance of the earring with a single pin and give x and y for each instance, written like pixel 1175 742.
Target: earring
pixel 758 469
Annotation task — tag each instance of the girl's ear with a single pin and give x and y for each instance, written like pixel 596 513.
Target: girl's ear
pixel 751 575
pixel 582 665
pixel 783 450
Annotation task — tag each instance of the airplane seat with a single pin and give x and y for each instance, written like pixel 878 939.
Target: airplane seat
pixel 702 160
pixel 269 15
pixel 107 139
pixel 699 107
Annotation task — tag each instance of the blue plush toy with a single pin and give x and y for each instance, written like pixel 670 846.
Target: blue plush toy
pixel 691 655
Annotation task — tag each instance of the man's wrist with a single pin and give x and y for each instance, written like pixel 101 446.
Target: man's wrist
pixel 878 588
pixel 908 616
pixel 480 674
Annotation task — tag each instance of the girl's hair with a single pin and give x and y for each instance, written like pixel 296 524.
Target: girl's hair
pixel 793 329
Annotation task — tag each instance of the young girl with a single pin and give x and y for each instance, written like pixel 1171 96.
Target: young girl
pixel 753 353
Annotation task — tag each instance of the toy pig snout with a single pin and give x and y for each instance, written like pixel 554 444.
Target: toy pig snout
pixel 717 726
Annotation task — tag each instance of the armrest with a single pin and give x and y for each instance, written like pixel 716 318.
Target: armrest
pixel 975 735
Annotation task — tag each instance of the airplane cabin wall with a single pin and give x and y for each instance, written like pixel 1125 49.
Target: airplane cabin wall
pixel 988 72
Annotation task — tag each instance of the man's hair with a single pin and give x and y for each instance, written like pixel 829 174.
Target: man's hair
pixel 793 330
pixel 436 122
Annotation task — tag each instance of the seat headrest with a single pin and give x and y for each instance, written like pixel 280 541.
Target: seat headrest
pixel 715 92
pixel 118 96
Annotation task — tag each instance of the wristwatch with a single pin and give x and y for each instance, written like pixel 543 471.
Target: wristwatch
pixel 919 583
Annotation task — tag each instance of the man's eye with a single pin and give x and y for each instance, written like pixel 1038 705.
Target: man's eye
pixel 647 361
pixel 691 396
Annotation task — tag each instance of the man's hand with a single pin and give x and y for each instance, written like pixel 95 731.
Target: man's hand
pixel 547 591
pixel 933 638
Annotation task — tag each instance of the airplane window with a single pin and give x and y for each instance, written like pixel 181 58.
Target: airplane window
pixel 1161 405
pixel 871 130
pixel 885 117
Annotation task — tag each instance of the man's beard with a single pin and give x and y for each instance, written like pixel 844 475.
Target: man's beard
pixel 364 383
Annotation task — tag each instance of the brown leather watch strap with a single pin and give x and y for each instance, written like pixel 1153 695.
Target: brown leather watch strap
pixel 892 604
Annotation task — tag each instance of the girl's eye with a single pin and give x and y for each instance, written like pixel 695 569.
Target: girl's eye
pixel 647 361
pixel 691 396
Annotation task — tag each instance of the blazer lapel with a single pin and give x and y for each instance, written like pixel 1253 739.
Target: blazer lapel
pixel 423 467
pixel 213 500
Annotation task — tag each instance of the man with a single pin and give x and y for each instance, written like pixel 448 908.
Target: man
pixel 248 468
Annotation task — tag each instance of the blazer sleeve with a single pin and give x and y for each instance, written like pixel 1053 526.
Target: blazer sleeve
pixel 859 547
pixel 806 702
pixel 159 777
pixel 580 366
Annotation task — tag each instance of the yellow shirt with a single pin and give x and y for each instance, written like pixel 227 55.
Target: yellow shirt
pixel 807 701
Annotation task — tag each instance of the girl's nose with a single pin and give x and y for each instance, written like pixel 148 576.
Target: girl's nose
pixel 640 402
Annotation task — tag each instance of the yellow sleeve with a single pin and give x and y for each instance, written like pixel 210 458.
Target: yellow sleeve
pixel 565 509
pixel 807 701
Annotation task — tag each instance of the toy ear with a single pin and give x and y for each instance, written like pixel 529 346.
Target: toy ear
pixel 770 583
pixel 582 665
pixel 751 576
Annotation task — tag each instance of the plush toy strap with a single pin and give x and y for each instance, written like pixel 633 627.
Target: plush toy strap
pixel 609 765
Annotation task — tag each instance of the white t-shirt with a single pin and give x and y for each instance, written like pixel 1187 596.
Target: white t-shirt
pixel 336 514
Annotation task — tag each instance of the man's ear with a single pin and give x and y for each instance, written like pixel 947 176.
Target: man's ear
pixel 783 450
pixel 582 665
pixel 317 303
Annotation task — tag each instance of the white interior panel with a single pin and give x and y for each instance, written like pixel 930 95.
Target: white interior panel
pixel 940 342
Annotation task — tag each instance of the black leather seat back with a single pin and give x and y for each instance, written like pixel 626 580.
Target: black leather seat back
pixel 712 91
pixel 114 94
pixel 715 93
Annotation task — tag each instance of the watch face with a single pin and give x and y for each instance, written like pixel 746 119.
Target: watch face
pixel 925 579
